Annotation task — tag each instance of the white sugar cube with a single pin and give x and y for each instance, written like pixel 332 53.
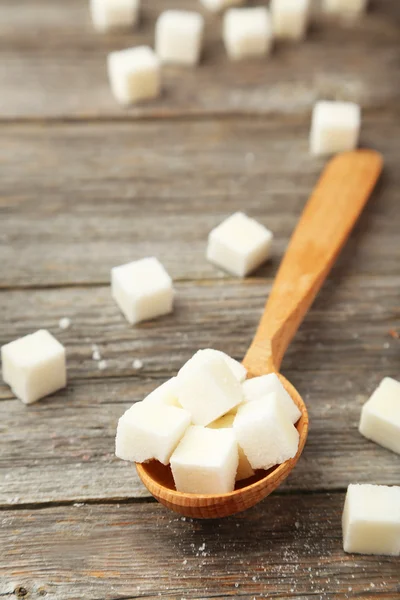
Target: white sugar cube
pixel 205 461
pixel 142 289
pixel 220 5
pixel 344 8
pixel 207 388
pixel 335 127
pixel 147 431
pixel 265 387
pixel 380 415
pixel 371 520
pixel 135 74
pixel 247 32
pixel 179 37
pixel 239 244
pixel 34 366
pixel 113 14
pixel 238 370
pixel 166 394
pixel 244 469
pixel 290 18
pixel 266 434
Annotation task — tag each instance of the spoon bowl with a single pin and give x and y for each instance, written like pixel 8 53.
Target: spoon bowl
pixel 248 492
pixel 326 222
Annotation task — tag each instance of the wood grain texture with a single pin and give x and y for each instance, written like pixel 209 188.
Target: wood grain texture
pixel 286 547
pixel 341 352
pixel 50 48
pixel 85 186
pixel 78 199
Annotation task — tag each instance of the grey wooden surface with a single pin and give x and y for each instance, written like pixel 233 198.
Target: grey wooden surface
pixel 86 185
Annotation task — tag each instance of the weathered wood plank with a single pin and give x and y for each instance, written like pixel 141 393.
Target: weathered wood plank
pixel 79 199
pixel 62 448
pixel 287 547
pixel 66 76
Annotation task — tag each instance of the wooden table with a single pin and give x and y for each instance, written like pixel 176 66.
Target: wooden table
pixel 86 185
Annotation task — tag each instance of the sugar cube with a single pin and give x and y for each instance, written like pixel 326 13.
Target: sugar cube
pixel 344 8
pixel 380 415
pixel 265 387
pixel 147 431
pixel 179 36
pixel 142 289
pixel 34 366
pixel 247 32
pixel 371 519
pixel 135 74
pixel 238 370
pixel 205 461
pixel 207 387
pixel 239 244
pixel 244 469
pixel 220 5
pixel 166 394
pixel 113 14
pixel 265 432
pixel 290 18
pixel 335 127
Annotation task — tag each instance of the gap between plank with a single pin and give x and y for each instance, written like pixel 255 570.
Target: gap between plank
pixel 143 500
pixel 190 116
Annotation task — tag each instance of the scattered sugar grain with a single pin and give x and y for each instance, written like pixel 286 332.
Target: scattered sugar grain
pixel 96 355
pixel 137 364
pixel 64 323
pixel 102 365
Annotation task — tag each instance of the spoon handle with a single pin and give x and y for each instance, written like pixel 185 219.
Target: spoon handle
pixel 327 220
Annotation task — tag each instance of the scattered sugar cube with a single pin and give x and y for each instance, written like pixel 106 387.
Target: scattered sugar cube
pixel 34 366
pixel 380 415
pixel 238 370
pixel 144 433
pixel 244 469
pixel 290 18
pixel 205 461
pixel 259 388
pixel 371 519
pixel 220 5
pixel 179 37
pixel 335 127
pixel 166 394
pixel 207 387
pixel 247 32
pixel 135 74
pixel 239 244
pixel 266 434
pixel 344 8
pixel 113 14
pixel 142 289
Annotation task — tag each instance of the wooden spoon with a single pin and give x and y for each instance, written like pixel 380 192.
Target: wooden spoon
pixel 324 226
